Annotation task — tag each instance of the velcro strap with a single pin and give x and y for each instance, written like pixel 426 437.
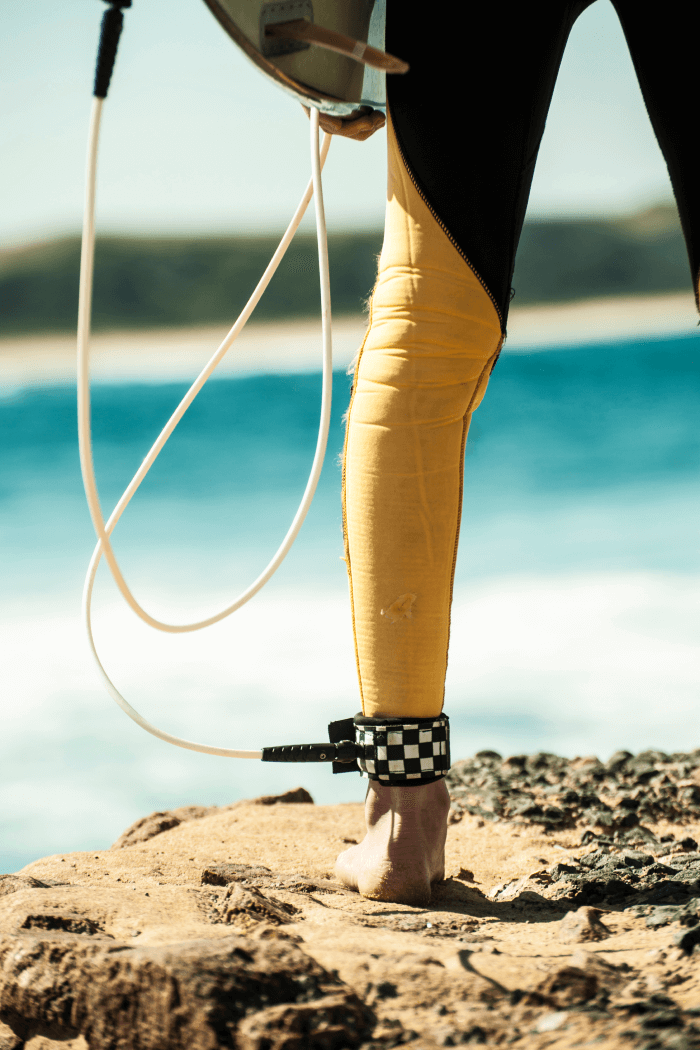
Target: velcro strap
pixel 403 751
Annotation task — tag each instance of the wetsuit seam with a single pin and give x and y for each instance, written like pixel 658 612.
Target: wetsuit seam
pixel 346 537
pixel 408 313
pixel 418 348
pixel 441 272
pixel 445 230
pixel 487 370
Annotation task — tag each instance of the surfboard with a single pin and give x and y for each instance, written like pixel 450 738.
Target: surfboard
pixel 326 53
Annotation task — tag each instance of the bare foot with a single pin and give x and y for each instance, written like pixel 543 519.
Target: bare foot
pixel 403 851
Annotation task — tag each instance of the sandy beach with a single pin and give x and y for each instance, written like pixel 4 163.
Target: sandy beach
pixel 153 355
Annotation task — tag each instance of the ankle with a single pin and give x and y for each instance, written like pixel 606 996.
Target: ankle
pixel 407 801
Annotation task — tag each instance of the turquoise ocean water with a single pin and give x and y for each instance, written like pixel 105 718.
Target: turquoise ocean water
pixel 577 597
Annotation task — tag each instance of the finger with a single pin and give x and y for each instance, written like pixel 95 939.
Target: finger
pixel 358 128
pixel 331 125
pixel 361 128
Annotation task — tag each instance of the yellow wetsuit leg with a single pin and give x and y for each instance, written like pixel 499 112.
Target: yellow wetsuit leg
pixel 433 338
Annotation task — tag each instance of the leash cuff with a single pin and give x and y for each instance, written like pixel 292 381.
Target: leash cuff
pixel 403 751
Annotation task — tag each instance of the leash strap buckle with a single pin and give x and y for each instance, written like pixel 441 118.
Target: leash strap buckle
pixel 391 750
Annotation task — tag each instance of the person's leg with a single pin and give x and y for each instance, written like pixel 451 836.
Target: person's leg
pixel 664 47
pixel 433 338
pixel 457 192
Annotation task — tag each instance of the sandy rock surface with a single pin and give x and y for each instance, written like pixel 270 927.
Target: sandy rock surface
pixel 209 928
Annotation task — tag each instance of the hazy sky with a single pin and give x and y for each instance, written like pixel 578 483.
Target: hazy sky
pixel 195 139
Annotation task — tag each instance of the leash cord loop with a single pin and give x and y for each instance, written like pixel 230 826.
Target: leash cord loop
pixel 104 529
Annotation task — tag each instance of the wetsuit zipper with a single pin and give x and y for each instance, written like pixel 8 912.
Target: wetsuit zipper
pixel 447 233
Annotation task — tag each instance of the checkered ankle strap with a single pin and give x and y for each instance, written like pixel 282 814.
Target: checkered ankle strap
pixel 401 750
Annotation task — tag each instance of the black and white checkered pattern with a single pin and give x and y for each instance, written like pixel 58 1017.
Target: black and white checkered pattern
pixel 398 752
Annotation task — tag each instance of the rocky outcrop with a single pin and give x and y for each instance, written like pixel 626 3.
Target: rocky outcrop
pixel 555 792
pixel 582 925
pixel 190 996
pixel 148 827
pixel 156 823
pixel 224 929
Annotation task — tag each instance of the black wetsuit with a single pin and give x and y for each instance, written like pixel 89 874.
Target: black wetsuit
pixel 470 114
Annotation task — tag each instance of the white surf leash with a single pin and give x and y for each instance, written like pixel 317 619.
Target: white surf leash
pixel 110 34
